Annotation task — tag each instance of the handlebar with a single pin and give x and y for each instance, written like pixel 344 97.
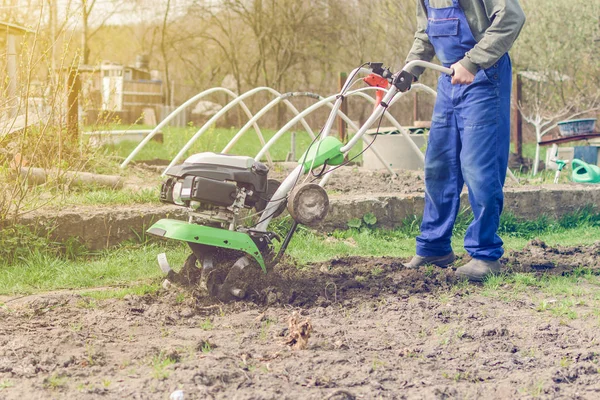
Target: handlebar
pixel 403 79
pixel 425 64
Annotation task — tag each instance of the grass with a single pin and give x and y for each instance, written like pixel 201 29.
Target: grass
pixel 5 384
pixel 136 290
pixel 106 160
pixel 215 140
pixel 47 266
pixel 160 364
pixel 264 328
pixel 102 196
pixel 206 347
pixel 42 271
pixel 55 381
pixel 582 227
pixel 206 325
pixel 41 196
pixel 567 297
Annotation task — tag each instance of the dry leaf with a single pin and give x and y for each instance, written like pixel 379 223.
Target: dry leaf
pixel 298 332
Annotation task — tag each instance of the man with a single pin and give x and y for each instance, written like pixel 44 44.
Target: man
pixel 470 128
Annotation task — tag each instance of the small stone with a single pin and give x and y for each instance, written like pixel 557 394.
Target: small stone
pixel 186 313
pixel 271 298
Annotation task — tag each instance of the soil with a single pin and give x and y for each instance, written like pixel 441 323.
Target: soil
pixel 355 180
pixel 358 180
pixel 348 179
pixel 374 330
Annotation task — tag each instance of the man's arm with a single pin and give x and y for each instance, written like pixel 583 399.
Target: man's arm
pixel 507 19
pixel 422 49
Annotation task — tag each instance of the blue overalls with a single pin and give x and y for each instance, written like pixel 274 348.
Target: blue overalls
pixel 468 143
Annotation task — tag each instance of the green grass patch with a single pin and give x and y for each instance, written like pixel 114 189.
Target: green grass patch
pixel 206 324
pixel 160 366
pixel 110 293
pixel 5 384
pixel 101 196
pixel 43 271
pixel 580 228
pixel 31 263
pixel 41 196
pixel 55 381
pixel 566 297
pixel 215 140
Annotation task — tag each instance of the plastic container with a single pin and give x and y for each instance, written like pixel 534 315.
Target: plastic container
pixel 583 172
pixel 577 126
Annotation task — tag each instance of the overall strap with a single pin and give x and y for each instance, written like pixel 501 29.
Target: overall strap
pixel 455 4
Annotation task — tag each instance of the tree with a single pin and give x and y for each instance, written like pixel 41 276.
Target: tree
pixel 87 32
pixel 544 120
pixel 163 51
pixel 558 40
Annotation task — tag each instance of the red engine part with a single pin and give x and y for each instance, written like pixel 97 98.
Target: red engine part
pixel 377 81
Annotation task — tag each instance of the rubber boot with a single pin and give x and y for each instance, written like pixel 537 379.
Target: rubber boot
pixel 440 261
pixel 477 270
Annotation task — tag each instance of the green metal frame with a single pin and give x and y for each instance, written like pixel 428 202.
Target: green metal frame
pixel 324 151
pixel 186 232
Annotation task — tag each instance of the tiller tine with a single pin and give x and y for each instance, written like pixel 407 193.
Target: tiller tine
pixel 232 287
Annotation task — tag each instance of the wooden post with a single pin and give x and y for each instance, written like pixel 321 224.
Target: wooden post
pixel 416 107
pixel 172 94
pixel 344 109
pixel 517 118
pixel 74 87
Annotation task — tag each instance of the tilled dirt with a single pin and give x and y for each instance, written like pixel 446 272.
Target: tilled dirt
pixel 378 330
pixel 354 180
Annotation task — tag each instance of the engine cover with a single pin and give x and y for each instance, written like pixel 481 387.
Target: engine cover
pixel 215 179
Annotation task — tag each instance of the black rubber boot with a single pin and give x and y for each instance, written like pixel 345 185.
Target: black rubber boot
pixel 477 270
pixel 440 261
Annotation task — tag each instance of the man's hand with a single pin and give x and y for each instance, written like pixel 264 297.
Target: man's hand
pixel 461 75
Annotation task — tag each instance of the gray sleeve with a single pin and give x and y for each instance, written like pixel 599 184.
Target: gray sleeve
pixel 507 19
pixel 422 49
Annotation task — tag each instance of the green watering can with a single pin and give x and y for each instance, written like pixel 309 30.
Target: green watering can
pixel 584 172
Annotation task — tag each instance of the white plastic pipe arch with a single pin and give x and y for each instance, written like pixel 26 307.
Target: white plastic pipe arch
pixel 264 110
pixel 332 98
pixel 274 102
pixel 221 112
pixel 197 97
pixel 170 117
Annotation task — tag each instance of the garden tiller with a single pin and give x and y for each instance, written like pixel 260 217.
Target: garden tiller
pixel 219 191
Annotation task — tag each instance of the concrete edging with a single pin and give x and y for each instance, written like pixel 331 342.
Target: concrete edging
pixel 102 227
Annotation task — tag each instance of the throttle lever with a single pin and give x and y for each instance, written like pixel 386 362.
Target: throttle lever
pixel 403 81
